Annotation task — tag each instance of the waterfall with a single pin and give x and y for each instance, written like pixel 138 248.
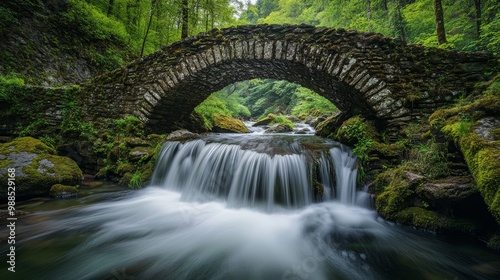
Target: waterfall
pixel 245 177
pixel 240 207
pixel 346 171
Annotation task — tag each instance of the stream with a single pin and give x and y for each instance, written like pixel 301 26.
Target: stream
pixel 230 206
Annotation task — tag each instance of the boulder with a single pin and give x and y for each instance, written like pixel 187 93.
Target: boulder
pixel 140 153
pixel 452 189
pixel 181 135
pixel 63 191
pixel 37 168
pixel 265 121
pixel 227 124
pixel 279 128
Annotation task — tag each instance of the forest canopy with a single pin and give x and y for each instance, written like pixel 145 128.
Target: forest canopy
pixel 147 25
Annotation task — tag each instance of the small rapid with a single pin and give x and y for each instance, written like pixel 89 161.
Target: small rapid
pixel 261 174
pixel 243 207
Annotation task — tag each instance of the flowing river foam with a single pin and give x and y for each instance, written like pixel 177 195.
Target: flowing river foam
pixel 243 207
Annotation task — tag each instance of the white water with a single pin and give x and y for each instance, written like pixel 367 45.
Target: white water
pixel 226 209
pixel 204 171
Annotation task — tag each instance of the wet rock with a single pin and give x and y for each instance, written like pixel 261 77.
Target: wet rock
pixel 265 121
pixel 37 168
pixel 63 191
pixel 279 128
pixel 181 135
pixel 304 130
pixel 135 142
pixel 488 129
pixel 140 153
pixel 227 124
pixel 448 189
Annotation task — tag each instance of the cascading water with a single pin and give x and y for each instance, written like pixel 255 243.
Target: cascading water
pixel 241 207
pixel 249 178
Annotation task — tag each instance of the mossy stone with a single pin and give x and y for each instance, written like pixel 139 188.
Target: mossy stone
pixel 37 167
pixel 28 145
pixel 430 220
pixel 482 156
pixel 265 121
pixel 223 123
pixel 63 191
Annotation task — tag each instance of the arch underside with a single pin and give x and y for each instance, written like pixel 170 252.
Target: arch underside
pixel 178 102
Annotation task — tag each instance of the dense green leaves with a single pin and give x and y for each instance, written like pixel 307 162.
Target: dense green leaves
pixel 412 21
pixel 258 98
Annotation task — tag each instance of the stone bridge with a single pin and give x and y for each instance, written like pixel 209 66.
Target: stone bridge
pixel 361 73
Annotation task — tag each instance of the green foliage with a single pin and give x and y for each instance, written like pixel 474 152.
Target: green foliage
pixel 136 180
pixel 493 87
pixel 412 21
pixel 233 103
pixel 309 102
pixel 357 132
pixel 257 98
pixel 93 23
pixel 9 85
pixel 283 120
pixel 127 126
pixel 429 158
pixel 73 124
pixel 34 128
pixel 208 108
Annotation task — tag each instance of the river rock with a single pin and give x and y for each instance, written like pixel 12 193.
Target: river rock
pixel 486 128
pixel 303 130
pixel 453 189
pixel 37 168
pixel 181 135
pixel 279 128
pixel 265 121
pixel 63 191
pixel 227 124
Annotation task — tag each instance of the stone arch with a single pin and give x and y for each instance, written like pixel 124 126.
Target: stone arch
pixel 361 73
pixel 339 77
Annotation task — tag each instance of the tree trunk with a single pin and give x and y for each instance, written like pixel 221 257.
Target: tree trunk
pixel 185 19
pixel 369 14
pixel 111 5
pixel 399 28
pixel 477 5
pixel 438 13
pixel 151 14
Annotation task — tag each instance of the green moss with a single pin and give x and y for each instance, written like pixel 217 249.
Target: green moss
pixel 388 150
pixel 266 120
pixel 394 190
pixel 59 190
pixel 419 217
pixel 37 171
pixel 229 124
pixel 427 219
pixel 124 168
pixel 127 151
pixel 282 120
pixel 482 157
pixel 487 105
pixel 47 169
pixel 26 144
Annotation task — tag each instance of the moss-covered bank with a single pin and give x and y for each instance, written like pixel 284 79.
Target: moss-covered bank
pixel 474 127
